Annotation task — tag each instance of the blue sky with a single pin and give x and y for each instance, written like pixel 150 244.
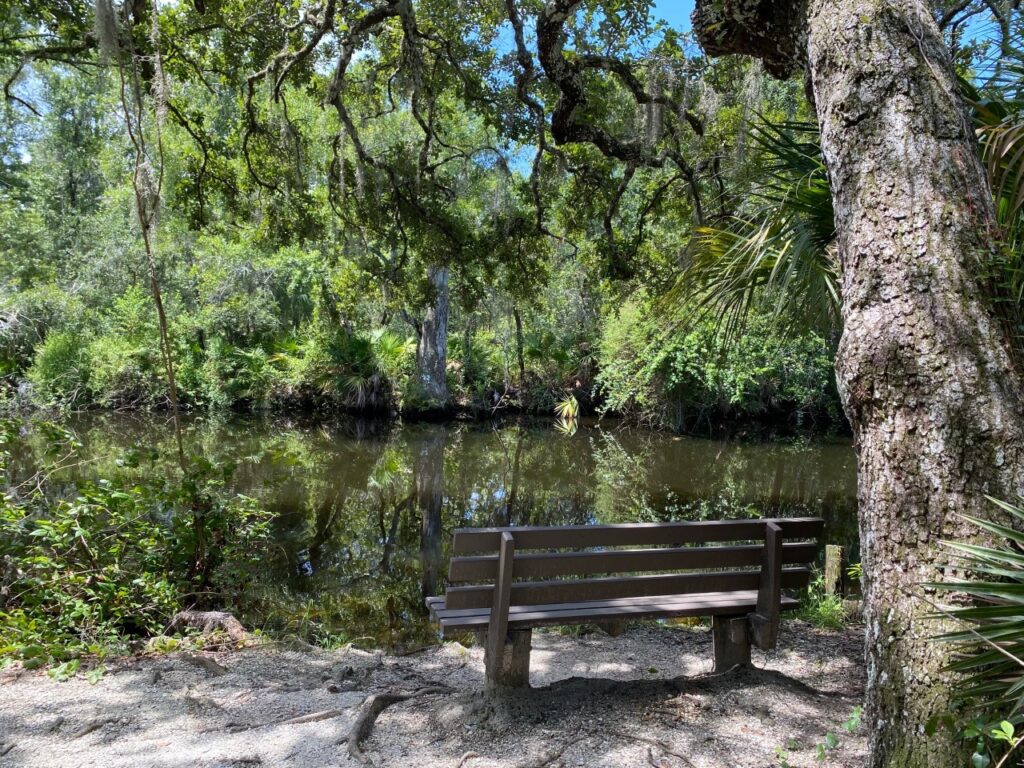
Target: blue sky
pixel 675 12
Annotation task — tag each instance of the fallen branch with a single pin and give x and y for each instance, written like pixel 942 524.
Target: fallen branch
pixel 370 710
pixel 312 717
pixel 208 622
pixel 210 665
pixel 92 725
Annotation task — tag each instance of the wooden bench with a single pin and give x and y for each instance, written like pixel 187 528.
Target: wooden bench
pixel 505 581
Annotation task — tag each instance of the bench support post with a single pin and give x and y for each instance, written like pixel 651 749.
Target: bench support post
pixel 509 666
pixel 612 628
pixel 732 642
pixel 507 654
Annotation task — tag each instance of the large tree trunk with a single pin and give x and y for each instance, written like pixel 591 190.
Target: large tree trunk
pixel 923 369
pixel 432 350
pixel 936 407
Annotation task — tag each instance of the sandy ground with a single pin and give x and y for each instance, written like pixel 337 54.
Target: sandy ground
pixel 645 698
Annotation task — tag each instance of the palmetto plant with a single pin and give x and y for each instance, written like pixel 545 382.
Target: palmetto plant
pixel 780 249
pixel 999 122
pixel 991 640
pixel 391 353
pixel 780 252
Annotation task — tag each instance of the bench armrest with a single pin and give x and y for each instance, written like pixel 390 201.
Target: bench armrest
pixel 764 622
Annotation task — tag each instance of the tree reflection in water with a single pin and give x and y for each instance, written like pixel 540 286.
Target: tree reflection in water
pixel 365 510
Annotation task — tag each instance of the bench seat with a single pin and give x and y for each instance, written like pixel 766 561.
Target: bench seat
pixel 452 621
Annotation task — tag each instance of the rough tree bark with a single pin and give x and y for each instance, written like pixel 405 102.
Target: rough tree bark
pixel 432 349
pixel 936 405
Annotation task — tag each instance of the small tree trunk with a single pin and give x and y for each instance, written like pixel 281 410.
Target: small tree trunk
pixel 432 350
pixel 519 345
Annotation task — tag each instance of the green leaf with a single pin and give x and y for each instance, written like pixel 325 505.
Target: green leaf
pixel 64 672
pixel 1003 732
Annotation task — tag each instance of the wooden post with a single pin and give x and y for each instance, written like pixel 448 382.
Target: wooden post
pixel 833 569
pixel 510 668
pixel 612 628
pixel 732 642
pixel 765 620
pixel 507 654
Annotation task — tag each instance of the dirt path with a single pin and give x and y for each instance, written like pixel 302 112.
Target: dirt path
pixel 645 698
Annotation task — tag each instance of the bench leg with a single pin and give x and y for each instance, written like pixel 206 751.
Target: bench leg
pixel 732 642
pixel 612 628
pixel 512 670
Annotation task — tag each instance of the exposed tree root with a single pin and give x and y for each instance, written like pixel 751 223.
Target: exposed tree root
pixel 666 748
pixel 370 711
pixel 550 756
pixel 208 622
pixel 92 725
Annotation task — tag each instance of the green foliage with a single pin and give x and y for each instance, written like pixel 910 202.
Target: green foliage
pixel 778 252
pixel 823 748
pixel 820 608
pixel 90 573
pixel 989 648
pixel 685 377
pixel 60 372
pixel 27 316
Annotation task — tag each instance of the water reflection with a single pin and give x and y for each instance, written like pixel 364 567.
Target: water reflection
pixel 365 510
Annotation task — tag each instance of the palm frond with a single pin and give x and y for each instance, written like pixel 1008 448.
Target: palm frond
pixel 779 254
pixel 990 642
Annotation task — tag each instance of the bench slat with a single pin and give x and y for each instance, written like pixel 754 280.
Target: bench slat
pixel 470 540
pixel 523 617
pixel 608 588
pixel 548 564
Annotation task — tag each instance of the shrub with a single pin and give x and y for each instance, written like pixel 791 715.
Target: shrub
pixel 26 317
pixel 87 574
pixel 990 644
pixel 60 372
pixel 679 378
pixel 125 372
pixel 351 369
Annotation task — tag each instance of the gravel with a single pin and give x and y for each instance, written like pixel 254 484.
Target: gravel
pixel 645 698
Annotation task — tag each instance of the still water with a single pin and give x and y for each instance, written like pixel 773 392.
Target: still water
pixel 365 509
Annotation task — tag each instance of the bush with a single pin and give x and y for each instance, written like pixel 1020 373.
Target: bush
pixel 125 373
pixel 364 371
pixel 990 644
pixel 26 317
pixel 88 574
pixel 680 378
pixel 60 373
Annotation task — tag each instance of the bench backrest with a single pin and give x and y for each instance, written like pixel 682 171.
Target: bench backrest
pixel 605 562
